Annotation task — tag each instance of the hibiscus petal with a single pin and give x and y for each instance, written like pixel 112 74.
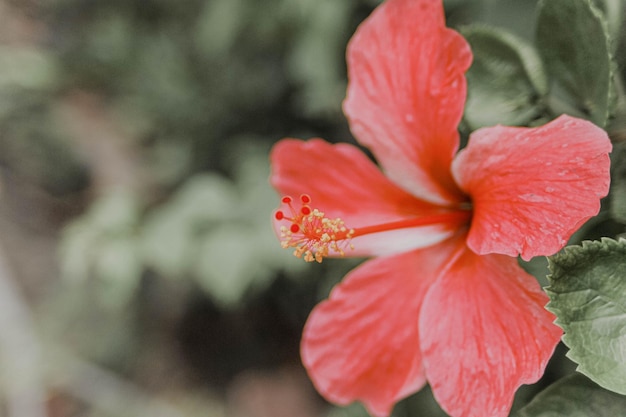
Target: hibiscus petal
pixel 406 94
pixel 533 187
pixel 484 332
pixel 362 343
pixel 342 182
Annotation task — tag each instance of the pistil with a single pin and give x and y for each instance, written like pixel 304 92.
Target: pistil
pixel 315 236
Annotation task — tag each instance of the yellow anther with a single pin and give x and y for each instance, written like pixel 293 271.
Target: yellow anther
pixel 313 235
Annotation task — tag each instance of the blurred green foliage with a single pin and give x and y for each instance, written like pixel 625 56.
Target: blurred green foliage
pixel 29 78
pixel 197 72
pixel 198 91
pixel 196 87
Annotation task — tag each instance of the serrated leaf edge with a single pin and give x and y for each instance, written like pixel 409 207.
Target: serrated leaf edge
pixel 566 259
pixel 559 264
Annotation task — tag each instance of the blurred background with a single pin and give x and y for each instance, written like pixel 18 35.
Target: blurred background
pixel 139 275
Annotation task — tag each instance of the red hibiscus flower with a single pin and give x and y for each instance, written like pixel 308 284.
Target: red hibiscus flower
pixel 443 300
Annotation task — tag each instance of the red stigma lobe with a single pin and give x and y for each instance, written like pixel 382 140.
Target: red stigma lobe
pixel 312 235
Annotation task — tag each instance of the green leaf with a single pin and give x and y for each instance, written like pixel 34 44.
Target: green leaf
pixel 505 81
pixel 575 396
pixel 315 61
pixel 588 295
pixel 218 232
pixel 612 10
pixel 102 246
pixel 218 25
pixel 226 264
pixel 573 39
pixel 618 182
pixel 242 254
pixel 169 233
pixel 352 410
pixel 27 68
pixel 119 268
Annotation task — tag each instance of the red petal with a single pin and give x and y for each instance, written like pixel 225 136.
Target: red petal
pixel 362 343
pixel 406 94
pixel 533 187
pixel 484 332
pixel 343 182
